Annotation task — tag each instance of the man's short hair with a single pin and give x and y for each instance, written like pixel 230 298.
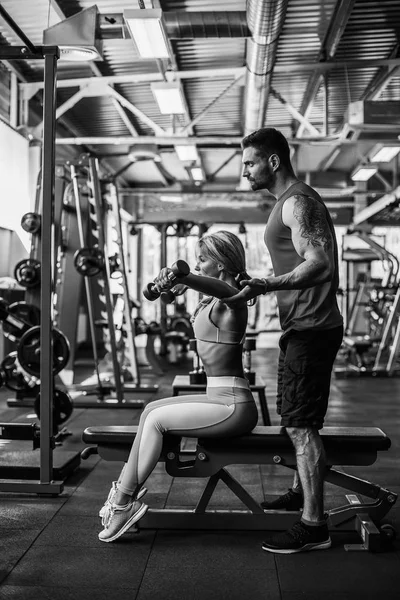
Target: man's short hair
pixel 267 141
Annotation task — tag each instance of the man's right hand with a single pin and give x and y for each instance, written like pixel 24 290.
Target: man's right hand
pixel 251 289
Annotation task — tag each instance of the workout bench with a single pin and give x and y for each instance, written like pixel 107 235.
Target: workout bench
pixel 264 445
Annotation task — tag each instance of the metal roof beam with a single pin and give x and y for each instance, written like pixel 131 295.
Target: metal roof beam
pixel 381 79
pixel 295 113
pixel 329 46
pixel 218 141
pixel 30 89
pixel 377 206
pixel 134 110
pixel 211 177
pixel 124 117
pixel 161 140
pixel 211 104
pixel 98 88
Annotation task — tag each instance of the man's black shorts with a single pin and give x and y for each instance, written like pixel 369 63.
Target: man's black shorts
pixel 304 375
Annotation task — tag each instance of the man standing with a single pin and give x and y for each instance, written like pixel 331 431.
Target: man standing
pixel 301 240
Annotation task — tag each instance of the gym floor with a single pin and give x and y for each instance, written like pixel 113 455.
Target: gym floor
pixel 49 547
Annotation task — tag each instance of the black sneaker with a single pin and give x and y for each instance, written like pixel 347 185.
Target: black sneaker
pixel 290 501
pixel 299 538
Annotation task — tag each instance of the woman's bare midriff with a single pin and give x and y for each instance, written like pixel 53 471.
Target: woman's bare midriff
pixel 221 360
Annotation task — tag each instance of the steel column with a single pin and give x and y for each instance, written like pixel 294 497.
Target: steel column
pixel 47 269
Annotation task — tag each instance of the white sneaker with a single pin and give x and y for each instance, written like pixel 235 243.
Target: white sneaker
pixel 120 519
pixel 111 496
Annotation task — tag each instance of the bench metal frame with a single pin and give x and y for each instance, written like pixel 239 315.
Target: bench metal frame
pixel 210 461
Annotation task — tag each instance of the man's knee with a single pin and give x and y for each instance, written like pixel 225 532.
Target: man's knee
pixel 303 437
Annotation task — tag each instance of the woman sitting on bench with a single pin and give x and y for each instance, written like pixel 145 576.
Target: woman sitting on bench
pixel 227 409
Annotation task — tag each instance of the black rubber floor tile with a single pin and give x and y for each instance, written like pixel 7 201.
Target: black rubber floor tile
pixel 159 482
pixel 13 545
pixel 221 549
pixel 83 504
pixel 223 496
pixel 119 564
pixel 354 573
pixel 99 480
pixel 185 492
pixel 27 592
pixel 209 583
pixel 28 512
pixel 338 596
pixel 81 532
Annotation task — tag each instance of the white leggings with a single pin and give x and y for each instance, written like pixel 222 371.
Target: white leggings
pixel 226 410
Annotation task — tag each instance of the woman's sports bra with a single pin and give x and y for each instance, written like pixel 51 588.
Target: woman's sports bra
pixel 206 331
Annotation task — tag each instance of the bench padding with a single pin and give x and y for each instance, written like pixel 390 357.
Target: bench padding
pixel 358 439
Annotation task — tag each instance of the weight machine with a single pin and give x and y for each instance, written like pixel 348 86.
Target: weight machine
pixel 46 482
pixel 373 352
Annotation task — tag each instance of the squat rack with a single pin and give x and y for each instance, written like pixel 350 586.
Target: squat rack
pixel 50 55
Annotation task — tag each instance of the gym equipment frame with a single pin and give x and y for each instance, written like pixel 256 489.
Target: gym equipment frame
pixel 264 445
pixel 50 55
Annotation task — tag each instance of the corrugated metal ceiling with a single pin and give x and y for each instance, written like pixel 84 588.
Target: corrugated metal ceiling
pixel 371 32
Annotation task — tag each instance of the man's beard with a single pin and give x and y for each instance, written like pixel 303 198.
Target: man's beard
pixel 266 183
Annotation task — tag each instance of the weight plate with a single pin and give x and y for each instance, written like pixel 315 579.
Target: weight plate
pixel 89 261
pixel 28 313
pixel 13 379
pixel 27 272
pixel 31 222
pixel 29 351
pixel 62 406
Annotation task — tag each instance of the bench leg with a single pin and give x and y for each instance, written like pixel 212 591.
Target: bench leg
pixel 264 408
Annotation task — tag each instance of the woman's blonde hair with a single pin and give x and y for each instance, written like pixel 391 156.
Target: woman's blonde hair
pixel 225 247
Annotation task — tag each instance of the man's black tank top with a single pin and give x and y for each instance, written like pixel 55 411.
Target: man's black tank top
pixel 311 308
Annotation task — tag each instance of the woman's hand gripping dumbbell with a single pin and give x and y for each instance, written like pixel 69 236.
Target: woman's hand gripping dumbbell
pixel 166 279
pixel 170 295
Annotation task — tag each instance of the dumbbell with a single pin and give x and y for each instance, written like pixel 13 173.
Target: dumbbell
pixel 179 269
pixel 167 297
pixel 170 295
pixel 248 346
pixel 198 375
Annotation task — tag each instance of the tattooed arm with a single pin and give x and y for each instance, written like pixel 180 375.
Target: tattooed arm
pixel 312 240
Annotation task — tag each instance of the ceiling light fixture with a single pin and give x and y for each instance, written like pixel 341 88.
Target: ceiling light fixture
pixel 187 153
pixel 144 152
pixel 77 53
pixel 169 97
pixel 147 30
pixel 171 198
pixel 77 37
pixel 363 173
pixel 384 154
pixel 197 173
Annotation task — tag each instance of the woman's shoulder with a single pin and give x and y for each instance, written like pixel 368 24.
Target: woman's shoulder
pixel 236 312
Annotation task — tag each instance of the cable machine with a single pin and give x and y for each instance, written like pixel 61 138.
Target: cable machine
pixel 94 263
